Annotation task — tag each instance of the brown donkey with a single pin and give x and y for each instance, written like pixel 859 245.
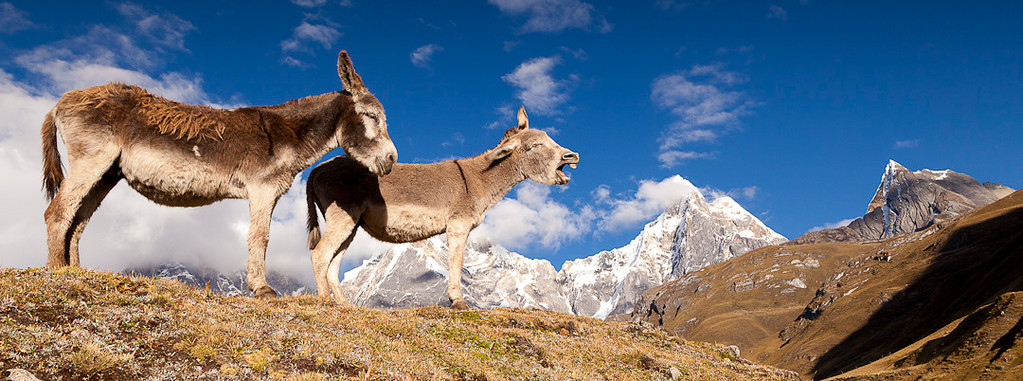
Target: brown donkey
pixel 184 155
pixel 417 201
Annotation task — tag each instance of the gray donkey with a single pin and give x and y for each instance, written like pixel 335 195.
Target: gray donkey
pixel 185 155
pixel 417 201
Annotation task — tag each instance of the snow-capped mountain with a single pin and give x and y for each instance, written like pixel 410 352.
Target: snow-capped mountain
pixel 908 201
pixel 691 233
pixel 415 274
pixel 231 284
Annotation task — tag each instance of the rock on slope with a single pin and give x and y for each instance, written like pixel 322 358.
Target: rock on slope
pixel 232 284
pixel 689 235
pixel 940 302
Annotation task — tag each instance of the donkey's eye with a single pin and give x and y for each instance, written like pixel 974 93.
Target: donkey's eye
pixel 534 145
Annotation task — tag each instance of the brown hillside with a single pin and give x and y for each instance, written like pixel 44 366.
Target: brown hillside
pixel 80 324
pixel 937 302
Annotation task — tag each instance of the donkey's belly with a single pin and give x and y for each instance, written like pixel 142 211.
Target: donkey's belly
pixel 405 224
pixel 179 181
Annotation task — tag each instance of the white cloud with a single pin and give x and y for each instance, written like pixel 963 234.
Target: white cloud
pixel 163 29
pixel 739 50
pixel 456 139
pixel 538 90
pixel 579 53
pixel 320 3
pixel 314 30
pixel 705 104
pixel 832 225
pixel 306 33
pixel 650 200
pixel 911 143
pixel 309 3
pixel 533 217
pixel 601 194
pixel 672 5
pixel 672 158
pixel 422 55
pixel 13 19
pixel 150 39
pixel 554 15
pixel 61 72
pixel 291 61
pixel 749 192
pixel 777 12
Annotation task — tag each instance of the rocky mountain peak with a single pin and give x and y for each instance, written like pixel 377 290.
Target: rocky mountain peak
pixel 907 201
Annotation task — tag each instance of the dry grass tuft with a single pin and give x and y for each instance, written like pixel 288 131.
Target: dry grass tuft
pixel 92 359
pixel 73 323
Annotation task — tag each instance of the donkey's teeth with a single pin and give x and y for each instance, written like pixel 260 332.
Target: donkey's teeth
pixel 572 165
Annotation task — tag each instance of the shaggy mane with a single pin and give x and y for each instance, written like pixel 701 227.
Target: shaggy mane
pixel 183 121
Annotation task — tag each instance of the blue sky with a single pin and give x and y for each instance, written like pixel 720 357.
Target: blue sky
pixel 791 107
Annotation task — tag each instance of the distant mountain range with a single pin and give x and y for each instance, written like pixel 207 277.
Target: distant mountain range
pixel 926 285
pixel 232 284
pixel 690 234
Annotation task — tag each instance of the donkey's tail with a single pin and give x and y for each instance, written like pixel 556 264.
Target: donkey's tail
pixel 53 173
pixel 312 223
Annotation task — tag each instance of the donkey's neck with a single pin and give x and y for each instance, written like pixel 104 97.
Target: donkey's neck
pixel 487 183
pixel 313 122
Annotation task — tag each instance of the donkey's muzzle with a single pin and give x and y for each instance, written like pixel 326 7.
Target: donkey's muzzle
pixel 386 163
pixel 570 157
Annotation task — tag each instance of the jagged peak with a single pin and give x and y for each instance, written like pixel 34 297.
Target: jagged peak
pixel 893 165
pixel 892 169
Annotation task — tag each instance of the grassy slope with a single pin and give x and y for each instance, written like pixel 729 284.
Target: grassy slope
pixel 711 308
pixel 74 324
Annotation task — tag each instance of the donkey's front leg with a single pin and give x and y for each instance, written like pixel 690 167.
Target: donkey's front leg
pixel 261 206
pixel 456 249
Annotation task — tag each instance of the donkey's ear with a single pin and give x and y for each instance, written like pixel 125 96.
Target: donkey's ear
pixel 502 151
pixel 345 70
pixel 523 118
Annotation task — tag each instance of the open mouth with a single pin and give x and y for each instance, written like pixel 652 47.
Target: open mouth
pixel 562 177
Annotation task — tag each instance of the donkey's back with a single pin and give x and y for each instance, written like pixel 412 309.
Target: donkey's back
pixel 117 107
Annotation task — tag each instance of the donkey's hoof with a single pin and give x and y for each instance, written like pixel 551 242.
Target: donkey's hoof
pixel 459 305
pixel 266 292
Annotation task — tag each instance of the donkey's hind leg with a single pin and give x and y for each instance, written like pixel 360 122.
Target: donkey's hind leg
pixel 333 270
pixel 85 172
pixel 89 206
pixel 339 230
